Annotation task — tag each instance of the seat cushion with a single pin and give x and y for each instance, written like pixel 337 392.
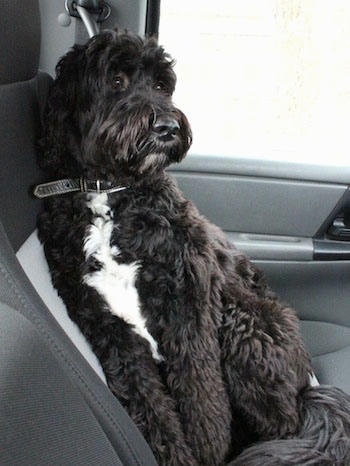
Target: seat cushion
pixel 45 418
pixel 32 252
pixel 329 346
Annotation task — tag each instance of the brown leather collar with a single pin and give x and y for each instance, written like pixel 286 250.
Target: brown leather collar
pixel 69 185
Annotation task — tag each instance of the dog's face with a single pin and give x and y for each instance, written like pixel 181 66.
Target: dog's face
pixel 110 110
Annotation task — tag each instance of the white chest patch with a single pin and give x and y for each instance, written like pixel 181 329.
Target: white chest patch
pixel 114 282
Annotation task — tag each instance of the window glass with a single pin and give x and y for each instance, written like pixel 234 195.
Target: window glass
pixel 267 78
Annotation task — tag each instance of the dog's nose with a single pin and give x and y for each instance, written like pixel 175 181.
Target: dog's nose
pixel 166 129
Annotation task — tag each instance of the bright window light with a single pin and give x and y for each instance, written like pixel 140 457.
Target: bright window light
pixel 263 78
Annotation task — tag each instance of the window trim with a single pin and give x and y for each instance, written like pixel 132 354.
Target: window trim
pixel 152 18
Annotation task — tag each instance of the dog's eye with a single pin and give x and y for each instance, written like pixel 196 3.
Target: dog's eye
pixel 119 82
pixel 160 87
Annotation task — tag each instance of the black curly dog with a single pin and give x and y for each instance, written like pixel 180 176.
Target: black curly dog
pixel 208 363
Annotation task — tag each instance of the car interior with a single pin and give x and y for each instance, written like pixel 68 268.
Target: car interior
pixel 291 219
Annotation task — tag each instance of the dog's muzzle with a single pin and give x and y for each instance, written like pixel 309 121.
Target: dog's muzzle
pixel 166 129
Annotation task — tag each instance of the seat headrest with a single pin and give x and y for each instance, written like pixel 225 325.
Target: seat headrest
pixel 20 40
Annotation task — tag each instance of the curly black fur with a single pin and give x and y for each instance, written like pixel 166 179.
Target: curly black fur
pixel 232 379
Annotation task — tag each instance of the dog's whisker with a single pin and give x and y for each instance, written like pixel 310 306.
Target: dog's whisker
pixel 153 117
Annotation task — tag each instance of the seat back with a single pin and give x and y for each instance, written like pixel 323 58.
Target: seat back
pixel 23 91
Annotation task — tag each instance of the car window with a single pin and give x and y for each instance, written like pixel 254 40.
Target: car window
pixel 263 78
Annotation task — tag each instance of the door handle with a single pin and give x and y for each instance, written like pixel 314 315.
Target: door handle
pixel 339 230
pixel 332 241
pixel 335 244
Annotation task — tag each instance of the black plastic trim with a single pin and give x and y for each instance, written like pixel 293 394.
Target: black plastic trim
pixel 342 206
pixel 326 246
pixel 328 250
pixel 152 18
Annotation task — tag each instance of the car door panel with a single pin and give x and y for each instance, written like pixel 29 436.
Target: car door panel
pixel 261 205
pixel 319 291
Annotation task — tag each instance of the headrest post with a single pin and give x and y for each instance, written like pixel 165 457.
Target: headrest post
pixel 91 25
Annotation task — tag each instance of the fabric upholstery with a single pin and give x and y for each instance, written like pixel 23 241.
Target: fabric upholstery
pixel 20 40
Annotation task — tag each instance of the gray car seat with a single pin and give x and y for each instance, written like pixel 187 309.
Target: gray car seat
pixel 54 408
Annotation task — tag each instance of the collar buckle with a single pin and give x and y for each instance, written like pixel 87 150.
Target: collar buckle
pixel 90 186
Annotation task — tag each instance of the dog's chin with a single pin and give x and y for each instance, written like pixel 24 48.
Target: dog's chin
pixel 153 162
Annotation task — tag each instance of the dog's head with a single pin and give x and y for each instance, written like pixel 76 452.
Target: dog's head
pixel 110 113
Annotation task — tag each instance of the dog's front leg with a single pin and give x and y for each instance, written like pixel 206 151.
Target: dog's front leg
pixel 133 377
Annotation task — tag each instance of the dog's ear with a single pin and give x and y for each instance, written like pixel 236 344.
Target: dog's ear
pixel 60 136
